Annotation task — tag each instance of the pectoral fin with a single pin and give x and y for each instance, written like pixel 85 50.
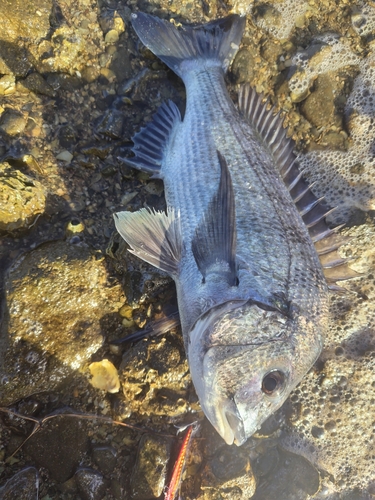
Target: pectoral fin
pixel 214 243
pixel 153 236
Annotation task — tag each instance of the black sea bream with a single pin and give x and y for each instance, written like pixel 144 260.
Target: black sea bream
pixel 241 235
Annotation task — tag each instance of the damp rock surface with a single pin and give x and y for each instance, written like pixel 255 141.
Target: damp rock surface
pixel 55 301
pixel 22 199
pixel 149 473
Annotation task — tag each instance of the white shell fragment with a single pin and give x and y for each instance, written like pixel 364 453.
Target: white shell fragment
pixel 104 376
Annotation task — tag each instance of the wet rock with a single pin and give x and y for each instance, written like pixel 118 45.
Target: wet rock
pixel 14 60
pixel 242 67
pixel 112 124
pixel 67 136
pixel 37 84
pixel 65 156
pixel 148 477
pixel 57 287
pixel 7 85
pixel 294 479
pixel 105 458
pixel 90 483
pixel 229 473
pixel 112 36
pixel 154 379
pixel 12 122
pixel 22 486
pixel 24 19
pixel 59 446
pixel 22 199
pixel 323 107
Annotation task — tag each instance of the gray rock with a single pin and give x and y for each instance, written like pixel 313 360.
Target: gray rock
pixel 37 84
pixel 22 486
pixel 105 458
pixel 90 483
pixel 294 478
pixel 59 446
pixel 148 478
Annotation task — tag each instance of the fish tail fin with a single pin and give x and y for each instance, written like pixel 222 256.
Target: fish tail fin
pixel 185 49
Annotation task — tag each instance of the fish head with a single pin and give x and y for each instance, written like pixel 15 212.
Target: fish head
pixel 244 363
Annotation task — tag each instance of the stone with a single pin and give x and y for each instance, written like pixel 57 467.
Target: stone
pixel 12 122
pixel 148 477
pixel 22 486
pixel 22 199
pixel 59 446
pixel 7 85
pixel 37 84
pixel 91 484
pixel 58 287
pixel 24 19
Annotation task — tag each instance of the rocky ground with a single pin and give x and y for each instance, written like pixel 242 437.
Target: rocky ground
pixel 75 85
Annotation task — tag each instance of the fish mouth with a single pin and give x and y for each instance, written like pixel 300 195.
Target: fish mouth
pixel 230 426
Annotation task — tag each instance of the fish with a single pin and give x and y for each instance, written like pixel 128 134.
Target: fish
pixel 243 236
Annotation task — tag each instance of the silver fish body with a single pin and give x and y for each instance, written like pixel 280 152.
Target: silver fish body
pixel 252 296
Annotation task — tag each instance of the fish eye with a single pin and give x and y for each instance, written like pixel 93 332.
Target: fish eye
pixel 272 382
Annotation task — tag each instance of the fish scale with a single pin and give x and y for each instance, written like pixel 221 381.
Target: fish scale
pixel 251 290
pixel 221 129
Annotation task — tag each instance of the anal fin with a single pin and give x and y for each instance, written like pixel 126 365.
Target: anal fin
pixel 154 237
pixel 151 141
pixel 215 239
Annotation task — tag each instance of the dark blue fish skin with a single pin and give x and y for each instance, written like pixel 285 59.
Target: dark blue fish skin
pixel 249 341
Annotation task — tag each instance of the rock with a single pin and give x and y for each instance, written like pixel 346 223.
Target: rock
pixel 57 287
pixel 14 60
pixel 59 446
pixel 65 156
pixel 229 473
pixel 22 199
pixel 112 124
pixel 7 85
pixel 242 67
pixel 145 393
pixel 12 122
pixel 111 37
pixel 293 479
pixel 22 486
pixel 24 19
pixel 105 458
pixel 37 84
pixel 90 483
pixel 322 107
pixel 148 477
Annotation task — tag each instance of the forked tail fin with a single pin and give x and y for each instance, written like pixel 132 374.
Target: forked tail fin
pixel 189 47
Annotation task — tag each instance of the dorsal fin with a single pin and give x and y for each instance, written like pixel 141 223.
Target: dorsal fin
pixel 269 126
pixel 214 242
pixel 153 236
pixel 151 141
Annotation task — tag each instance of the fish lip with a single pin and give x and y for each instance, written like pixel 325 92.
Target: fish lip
pixel 237 428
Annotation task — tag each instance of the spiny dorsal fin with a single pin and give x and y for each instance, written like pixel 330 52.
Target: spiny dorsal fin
pixel 151 141
pixel 269 126
pixel 153 236
pixel 214 242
